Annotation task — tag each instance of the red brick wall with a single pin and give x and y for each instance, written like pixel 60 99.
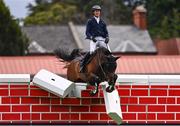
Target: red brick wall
pixel 140 104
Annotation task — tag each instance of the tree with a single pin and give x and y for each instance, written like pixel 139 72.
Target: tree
pixel 113 11
pixel 12 40
pixel 164 18
pixel 48 13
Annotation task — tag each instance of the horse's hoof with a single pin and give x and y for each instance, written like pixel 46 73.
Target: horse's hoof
pixel 93 93
pixel 110 89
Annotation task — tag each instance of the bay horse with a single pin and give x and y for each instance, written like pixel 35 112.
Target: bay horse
pixel 101 67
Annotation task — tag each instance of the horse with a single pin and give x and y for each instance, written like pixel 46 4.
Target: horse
pixel 100 67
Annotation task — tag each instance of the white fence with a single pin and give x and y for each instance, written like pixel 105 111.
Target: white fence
pixel 122 78
pixel 22 78
pixel 49 81
pixel 149 79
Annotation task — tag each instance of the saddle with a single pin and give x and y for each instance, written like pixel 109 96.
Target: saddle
pixel 85 60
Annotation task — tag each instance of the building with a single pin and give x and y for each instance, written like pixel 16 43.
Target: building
pixel 133 38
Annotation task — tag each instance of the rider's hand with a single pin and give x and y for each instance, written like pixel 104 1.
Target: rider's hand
pixel 94 40
pixel 106 40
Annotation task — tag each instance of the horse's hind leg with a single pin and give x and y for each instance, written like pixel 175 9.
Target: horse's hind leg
pixel 111 83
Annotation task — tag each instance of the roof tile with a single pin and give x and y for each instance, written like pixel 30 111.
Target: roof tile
pixel 126 65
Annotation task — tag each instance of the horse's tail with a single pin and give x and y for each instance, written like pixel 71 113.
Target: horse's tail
pixel 63 54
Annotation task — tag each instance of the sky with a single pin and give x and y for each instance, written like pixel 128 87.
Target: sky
pixel 18 7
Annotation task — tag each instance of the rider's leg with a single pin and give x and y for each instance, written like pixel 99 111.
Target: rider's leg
pixel 103 44
pixel 87 56
pixel 84 61
pixel 92 46
pixel 108 48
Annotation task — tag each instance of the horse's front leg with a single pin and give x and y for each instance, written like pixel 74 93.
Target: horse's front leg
pixel 96 82
pixel 95 90
pixel 111 82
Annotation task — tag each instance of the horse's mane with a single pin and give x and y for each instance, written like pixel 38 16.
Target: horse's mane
pixel 66 55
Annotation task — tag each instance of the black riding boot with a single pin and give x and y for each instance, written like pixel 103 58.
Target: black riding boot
pixel 84 61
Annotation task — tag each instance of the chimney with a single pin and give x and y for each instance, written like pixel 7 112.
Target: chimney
pixel 139 17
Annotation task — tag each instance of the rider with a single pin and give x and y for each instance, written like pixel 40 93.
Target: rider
pixel 96 32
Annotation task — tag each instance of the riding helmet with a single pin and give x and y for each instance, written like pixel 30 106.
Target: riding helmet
pixel 96 7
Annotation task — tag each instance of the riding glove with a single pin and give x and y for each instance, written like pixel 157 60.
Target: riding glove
pixel 93 39
pixel 106 40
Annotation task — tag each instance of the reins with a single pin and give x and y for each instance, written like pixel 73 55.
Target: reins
pixel 101 66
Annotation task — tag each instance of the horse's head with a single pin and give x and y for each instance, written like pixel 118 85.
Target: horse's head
pixel 106 59
pixel 102 52
pixel 112 58
pixel 105 54
pixel 110 63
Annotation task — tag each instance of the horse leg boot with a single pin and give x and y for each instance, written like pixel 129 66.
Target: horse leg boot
pixel 112 82
pixel 94 92
pixel 84 61
pixel 96 84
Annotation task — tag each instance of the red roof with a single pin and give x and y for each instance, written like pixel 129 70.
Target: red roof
pixel 126 64
pixel 149 64
pixel 30 64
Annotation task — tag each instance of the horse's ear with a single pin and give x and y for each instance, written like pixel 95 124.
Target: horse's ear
pixel 117 58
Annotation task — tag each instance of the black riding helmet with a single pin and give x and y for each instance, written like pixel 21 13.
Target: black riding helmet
pixel 96 7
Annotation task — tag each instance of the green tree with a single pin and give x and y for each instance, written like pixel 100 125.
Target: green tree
pixel 12 40
pixel 55 13
pixel 164 18
pixel 62 11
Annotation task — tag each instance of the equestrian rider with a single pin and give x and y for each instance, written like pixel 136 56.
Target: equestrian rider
pixel 97 33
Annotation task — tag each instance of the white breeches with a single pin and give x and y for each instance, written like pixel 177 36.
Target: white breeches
pixel 99 43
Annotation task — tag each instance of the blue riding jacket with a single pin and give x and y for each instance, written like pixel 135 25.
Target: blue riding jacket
pixel 94 29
